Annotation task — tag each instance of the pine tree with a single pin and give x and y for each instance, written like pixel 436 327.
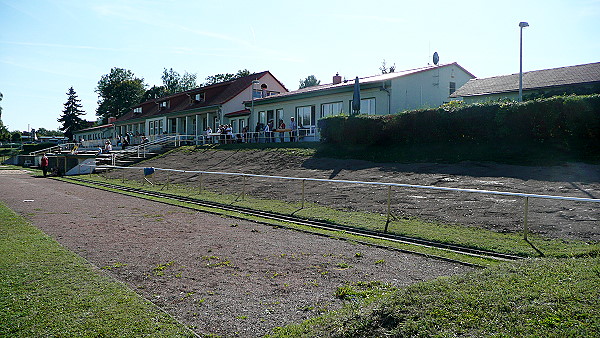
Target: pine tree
pixel 71 120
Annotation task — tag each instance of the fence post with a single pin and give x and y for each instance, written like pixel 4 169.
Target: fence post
pixel 200 192
pixel 243 187
pixel 303 193
pixel 525 225
pixel 388 208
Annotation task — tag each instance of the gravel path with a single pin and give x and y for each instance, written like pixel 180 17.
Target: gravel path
pixel 216 274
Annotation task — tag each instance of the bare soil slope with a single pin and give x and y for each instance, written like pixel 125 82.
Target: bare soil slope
pixel 553 218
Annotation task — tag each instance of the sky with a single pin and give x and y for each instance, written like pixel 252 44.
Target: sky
pixel 47 46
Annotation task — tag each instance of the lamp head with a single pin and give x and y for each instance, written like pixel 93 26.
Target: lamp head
pixel 523 24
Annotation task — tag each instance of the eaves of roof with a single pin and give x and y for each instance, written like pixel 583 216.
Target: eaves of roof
pixel 159 113
pixel 242 112
pixel 328 90
pixel 95 128
pixel 348 85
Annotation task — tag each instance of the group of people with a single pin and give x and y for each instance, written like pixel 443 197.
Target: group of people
pixel 262 132
pixel 269 130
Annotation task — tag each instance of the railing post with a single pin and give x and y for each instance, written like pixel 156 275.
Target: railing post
pixel 303 193
pixel 200 184
pixel 243 187
pixel 525 225
pixel 388 208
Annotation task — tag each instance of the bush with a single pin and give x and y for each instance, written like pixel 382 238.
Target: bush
pixel 568 122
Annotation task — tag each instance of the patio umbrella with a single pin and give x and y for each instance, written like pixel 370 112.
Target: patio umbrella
pixel 356 97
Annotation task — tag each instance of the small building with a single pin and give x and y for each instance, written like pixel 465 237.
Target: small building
pixel 193 111
pixel 580 79
pixel 389 93
pixel 95 136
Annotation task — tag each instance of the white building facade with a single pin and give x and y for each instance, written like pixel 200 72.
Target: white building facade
pixel 383 94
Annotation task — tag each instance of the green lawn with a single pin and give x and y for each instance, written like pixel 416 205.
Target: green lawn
pixel 531 298
pixel 48 291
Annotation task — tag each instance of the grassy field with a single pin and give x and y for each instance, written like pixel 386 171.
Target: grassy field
pixel 48 291
pixel 531 298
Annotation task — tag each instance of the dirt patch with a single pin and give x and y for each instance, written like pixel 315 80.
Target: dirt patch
pixel 552 218
pixel 216 274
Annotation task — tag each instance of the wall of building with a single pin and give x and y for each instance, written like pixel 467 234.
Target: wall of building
pixel 289 106
pixel 426 89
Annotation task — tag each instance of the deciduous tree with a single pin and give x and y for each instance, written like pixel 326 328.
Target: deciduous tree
pixel 4 133
pixel 217 78
pixel 175 83
pixel 310 81
pixel 71 118
pixel 118 92
pixel 154 93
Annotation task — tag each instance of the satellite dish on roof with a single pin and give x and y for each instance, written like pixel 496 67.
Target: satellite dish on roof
pixel 436 58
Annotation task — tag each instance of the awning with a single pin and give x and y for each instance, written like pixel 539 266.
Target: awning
pixel 242 112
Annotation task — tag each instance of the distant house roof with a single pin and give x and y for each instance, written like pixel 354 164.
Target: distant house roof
pixel 348 84
pixel 546 78
pixel 214 95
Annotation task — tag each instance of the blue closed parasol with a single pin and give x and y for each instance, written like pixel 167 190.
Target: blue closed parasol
pixel 356 97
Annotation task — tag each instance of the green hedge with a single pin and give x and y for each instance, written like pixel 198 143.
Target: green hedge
pixel 569 122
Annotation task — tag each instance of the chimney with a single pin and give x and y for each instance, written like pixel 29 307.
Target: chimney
pixel 111 120
pixel 337 78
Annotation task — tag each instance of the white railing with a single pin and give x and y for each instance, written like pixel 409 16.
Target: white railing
pixel 525 196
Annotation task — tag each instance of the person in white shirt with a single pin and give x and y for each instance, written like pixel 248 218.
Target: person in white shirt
pixel 294 130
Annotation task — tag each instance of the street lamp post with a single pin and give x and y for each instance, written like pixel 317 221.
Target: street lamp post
pixel 254 82
pixel 522 25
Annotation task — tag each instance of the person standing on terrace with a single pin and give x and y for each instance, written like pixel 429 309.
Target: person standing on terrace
pixel 294 130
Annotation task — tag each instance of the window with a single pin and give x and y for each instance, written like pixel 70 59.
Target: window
pixel 452 87
pixel 329 109
pixel 137 110
pixel 367 106
pixel 270 116
pixel 278 116
pixel 262 117
pixel 215 124
pixel 306 116
pixel 199 97
pixel 164 105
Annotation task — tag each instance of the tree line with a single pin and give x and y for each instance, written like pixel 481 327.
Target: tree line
pixel 120 90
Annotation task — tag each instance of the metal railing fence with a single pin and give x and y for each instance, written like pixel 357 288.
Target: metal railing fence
pixel 526 196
